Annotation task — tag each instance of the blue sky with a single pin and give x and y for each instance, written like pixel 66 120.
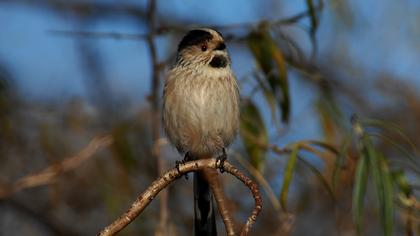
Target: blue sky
pixel 381 37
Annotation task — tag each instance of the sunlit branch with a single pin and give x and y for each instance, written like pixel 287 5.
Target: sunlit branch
pixel 169 177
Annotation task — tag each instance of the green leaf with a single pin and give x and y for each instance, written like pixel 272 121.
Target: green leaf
pixel 282 82
pixel 288 174
pixel 388 205
pixel 414 164
pixel 382 183
pixel 319 176
pixel 259 44
pixel 359 190
pixel 329 112
pixel 390 127
pixel 379 171
pixel 268 95
pixel 253 133
pixel 339 161
pixel 270 59
pixel 324 145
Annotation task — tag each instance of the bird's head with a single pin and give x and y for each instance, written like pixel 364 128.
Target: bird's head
pixel 203 47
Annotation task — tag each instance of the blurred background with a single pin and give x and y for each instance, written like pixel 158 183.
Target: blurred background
pixel 329 123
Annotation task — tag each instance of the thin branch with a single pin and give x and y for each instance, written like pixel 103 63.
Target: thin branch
pixel 111 35
pixel 211 176
pixel 260 178
pixel 154 101
pixel 165 29
pixel 49 174
pixel 170 176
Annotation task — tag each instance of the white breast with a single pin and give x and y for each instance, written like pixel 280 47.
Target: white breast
pixel 201 110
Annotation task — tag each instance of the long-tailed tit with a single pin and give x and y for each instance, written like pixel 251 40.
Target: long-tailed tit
pixel 201 110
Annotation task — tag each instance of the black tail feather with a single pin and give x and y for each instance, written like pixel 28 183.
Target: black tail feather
pixel 204 217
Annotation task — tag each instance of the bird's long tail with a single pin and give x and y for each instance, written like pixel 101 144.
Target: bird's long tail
pixel 204 217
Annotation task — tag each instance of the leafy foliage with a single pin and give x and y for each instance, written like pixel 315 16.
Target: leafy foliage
pixel 270 59
pixel 253 133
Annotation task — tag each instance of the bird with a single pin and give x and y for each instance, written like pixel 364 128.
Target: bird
pixel 200 111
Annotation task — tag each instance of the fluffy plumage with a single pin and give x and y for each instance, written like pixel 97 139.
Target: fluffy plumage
pixel 200 109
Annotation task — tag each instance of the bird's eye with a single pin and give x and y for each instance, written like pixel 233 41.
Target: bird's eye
pixel 203 47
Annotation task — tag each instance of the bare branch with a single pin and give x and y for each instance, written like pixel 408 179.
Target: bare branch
pixel 170 176
pixel 260 178
pixel 49 174
pixel 216 187
pixel 111 35
pixel 165 29
pixel 154 102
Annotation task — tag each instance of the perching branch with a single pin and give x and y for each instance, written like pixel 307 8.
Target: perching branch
pixel 49 174
pixel 170 176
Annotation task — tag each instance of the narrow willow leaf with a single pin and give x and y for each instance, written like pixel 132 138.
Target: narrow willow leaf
pixel 390 127
pixel 388 204
pixel 359 190
pixel 325 146
pixel 270 59
pixel 288 174
pixel 319 176
pixel 282 82
pixel 381 180
pixel 268 95
pixel 330 113
pixel 326 121
pixel 313 16
pixel 339 161
pixel 253 133
pixel 414 163
pixel 257 42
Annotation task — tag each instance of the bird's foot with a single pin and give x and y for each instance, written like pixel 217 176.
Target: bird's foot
pixel 187 158
pixel 220 161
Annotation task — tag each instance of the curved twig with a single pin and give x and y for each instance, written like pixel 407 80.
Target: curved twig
pixel 170 176
pixel 260 178
pixel 50 173
pixel 217 189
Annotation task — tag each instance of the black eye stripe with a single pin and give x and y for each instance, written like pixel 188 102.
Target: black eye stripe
pixel 194 37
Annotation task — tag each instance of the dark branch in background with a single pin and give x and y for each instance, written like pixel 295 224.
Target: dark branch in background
pixel 170 176
pixel 48 222
pixel 99 91
pixel 111 35
pixel 87 8
pixel 49 174
pixel 154 101
pixel 165 29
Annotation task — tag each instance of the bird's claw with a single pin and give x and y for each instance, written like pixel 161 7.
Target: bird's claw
pixel 220 161
pixel 177 164
pixel 187 158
